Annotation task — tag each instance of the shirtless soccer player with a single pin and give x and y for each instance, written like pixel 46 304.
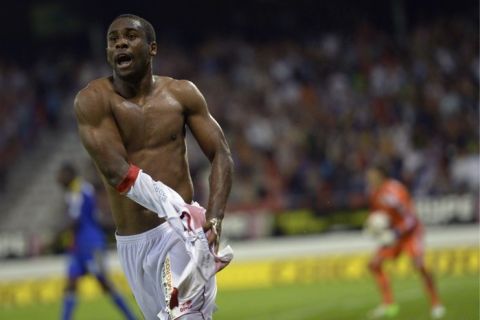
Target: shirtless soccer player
pixel 403 233
pixel 133 126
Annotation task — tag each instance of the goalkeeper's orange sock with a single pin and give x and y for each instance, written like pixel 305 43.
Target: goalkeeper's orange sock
pixel 384 286
pixel 430 286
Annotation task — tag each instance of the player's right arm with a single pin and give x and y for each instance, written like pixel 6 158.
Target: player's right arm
pixel 100 136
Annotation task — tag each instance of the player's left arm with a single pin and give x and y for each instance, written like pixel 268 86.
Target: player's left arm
pixel 211 139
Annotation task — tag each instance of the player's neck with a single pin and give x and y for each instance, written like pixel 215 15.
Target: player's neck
pixel 131 88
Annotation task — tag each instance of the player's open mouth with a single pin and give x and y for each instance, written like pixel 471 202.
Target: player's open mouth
pixel 123 60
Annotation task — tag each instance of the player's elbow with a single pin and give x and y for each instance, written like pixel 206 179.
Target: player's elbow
pixel 222 155
pixel 113 178
pixel 114 175
pixel 228 161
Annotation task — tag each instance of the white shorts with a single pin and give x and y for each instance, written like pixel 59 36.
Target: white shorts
pixel 152 261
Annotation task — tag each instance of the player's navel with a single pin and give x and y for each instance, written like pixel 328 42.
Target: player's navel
pixel 173 137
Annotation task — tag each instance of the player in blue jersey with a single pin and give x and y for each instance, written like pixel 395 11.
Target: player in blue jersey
pixel 88 248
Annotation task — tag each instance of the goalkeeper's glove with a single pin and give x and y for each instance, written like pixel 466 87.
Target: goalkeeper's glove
pixel 387 237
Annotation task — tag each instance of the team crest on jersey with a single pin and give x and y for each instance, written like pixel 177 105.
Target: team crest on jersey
pixel 167 282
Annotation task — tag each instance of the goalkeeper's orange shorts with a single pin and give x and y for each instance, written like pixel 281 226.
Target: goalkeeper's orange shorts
pixel 411 245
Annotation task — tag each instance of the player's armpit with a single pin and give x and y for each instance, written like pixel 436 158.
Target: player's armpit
pixel 99 135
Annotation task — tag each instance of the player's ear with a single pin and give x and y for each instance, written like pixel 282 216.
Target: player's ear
pixel 153 48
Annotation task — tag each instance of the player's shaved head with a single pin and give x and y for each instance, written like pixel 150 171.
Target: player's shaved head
pixel 146 26
pixel 68 168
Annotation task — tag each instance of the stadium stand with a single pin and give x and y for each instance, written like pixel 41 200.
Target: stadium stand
pixel 304 118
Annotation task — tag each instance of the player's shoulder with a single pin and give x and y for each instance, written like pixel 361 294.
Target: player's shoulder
pixel 94 90
pixel 390 184
pixel 396 185
pixel 396 188
pixel 93 97
pixel 183 90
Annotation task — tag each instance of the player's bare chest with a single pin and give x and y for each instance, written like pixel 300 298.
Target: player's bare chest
pixel 153 121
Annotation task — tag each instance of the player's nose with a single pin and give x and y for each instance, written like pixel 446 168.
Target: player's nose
pixel 121 44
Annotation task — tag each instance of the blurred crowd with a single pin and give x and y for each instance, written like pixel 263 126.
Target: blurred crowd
pixel 305 118
pixel 32 100
pixel 20 117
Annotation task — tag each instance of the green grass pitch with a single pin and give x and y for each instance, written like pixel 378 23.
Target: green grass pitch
pixel 330 300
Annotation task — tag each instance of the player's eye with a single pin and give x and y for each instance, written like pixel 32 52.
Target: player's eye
pixel 132 36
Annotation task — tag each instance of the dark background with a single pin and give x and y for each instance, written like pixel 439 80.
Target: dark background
pixel 48 26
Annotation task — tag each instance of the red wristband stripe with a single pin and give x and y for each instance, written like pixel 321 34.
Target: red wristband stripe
pixel 129 179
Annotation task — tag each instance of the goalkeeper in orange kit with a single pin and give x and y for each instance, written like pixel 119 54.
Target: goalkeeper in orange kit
pixel 394 225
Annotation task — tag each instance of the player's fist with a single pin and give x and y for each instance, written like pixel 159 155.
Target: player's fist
pixel 213 229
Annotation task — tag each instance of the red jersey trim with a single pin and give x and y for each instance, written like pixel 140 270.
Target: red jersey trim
pixel 129 179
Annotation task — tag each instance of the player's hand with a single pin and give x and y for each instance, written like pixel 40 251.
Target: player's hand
pixel 214 225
